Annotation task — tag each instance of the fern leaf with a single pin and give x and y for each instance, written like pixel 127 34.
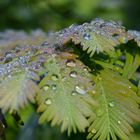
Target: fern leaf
pixel 16 90
pixel 131 65
pixel 65 99
pixel 118 109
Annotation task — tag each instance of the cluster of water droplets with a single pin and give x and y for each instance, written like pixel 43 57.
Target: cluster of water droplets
pixel 134 35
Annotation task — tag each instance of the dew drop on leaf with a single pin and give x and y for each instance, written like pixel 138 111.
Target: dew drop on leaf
pixel 46 87
pixel 85 69
pixel 93 92
pixel 70 63
pixel 73 74
pixel 54 87
pixel 119 122
pixel 86 36
pixel 93 131
pixel 48 101
pixel 129 87
pixel 54 77
pixel 80 90
pixel 111 104
pixel 45 43
pixel 73 93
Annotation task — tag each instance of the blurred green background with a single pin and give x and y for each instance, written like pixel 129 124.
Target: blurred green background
pixel 57 14
pixel 53 15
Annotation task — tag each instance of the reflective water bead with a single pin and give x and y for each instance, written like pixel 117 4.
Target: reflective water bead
pixel 54 77
pixel 86 36
pixel 46 87
pixel 73 93
pixel 93 131
pixel 93 92
pixel 80 90
pixel 119 122
pixel 48 101
pixel 54 87
pixel 45 43
pixel 73 74
pixel 70 63
pixel 111 104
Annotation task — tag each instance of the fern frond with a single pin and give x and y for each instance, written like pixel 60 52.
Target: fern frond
pixel 16 90
pixel 65 99
pixel 132 63
pixel 118 109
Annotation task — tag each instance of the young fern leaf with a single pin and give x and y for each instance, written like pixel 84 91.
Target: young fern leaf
pixel 65 99
pixel 118 109
pixel 131 65
pixel 16 90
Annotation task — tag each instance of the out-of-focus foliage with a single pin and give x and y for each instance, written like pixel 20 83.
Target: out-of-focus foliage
pixel 56 14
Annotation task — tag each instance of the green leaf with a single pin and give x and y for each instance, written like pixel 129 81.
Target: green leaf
pixel 93 42
pixel 65 99
pixel 118 109
pixel 131 64
pixel 16 90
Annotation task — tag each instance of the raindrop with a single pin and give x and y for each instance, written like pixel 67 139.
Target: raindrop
pixel 45 43
pixel 48 101
pixel 54 87
pixel 73 93
pixel 93 92
pixel 73 74
pixel 46 87
pixel 93 131
pixel 8 57
pixel 119 122
pixel 70 63
pixel 86 36
pixel 80 90
pixel 111 104
pixel 54 77
pixel 86 69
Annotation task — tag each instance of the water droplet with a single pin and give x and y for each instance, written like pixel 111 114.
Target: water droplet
pixel 80 90
pixel 73 74
pixel 86 36
pixel 86 69
pixel 54 77
pixel 54 87
pixel 70 63
pixel 73 93
pixel 48 101
pixel 111 104
pixel 93 92
pixel 119 122
pixel 129 87
pixel 8 57
pixel 93 131
pixel 46 87
pixel 45 43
